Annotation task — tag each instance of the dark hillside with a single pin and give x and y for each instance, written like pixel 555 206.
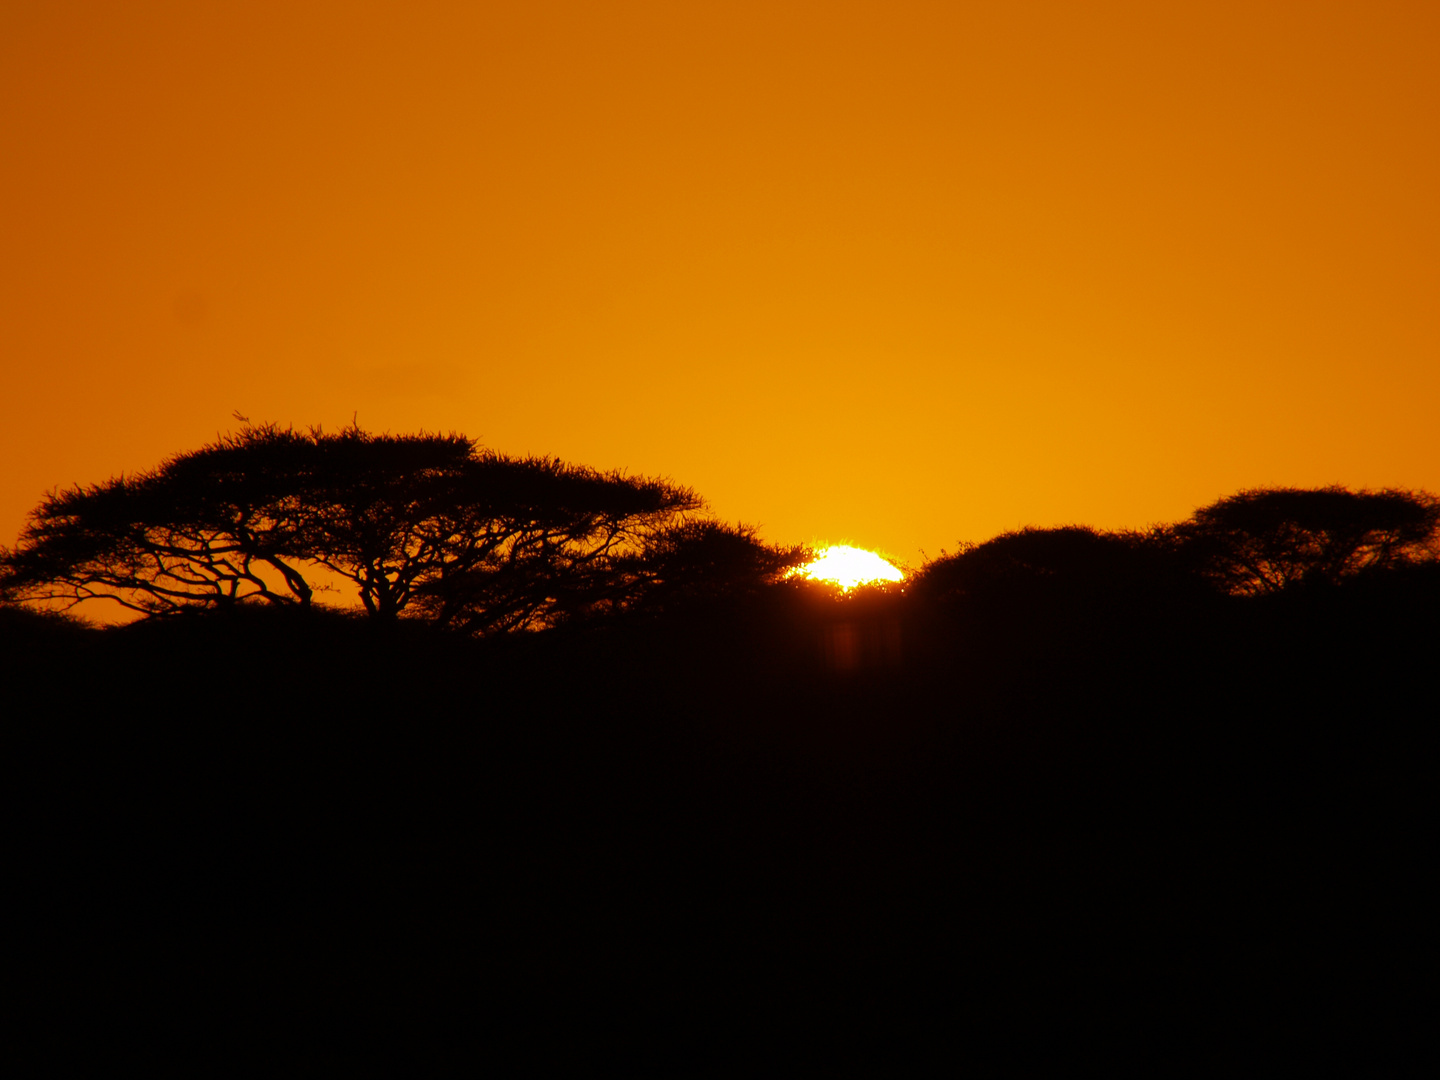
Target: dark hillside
pixel 891 824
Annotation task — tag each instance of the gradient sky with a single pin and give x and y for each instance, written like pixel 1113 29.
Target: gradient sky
pixel 901 274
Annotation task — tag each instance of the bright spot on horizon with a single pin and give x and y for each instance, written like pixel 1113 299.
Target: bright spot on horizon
pixel 849 566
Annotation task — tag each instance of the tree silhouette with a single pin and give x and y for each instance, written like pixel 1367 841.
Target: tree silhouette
pixel 429 523
pixel 631 562
pixel 199 530
pixel 1268 539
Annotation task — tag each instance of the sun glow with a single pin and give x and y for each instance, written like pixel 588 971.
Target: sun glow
pixel 848 567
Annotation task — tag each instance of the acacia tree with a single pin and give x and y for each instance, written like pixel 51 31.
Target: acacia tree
pixel 1268 539
pixel 425 523
pixel 199 530
pixel 497 543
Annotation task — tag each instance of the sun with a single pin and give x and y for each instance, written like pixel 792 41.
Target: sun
pixel 848 567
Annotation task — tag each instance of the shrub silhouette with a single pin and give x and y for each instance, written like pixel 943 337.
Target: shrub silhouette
pixel 1072 563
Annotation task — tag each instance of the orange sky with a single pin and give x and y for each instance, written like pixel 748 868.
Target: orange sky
pixel 894 273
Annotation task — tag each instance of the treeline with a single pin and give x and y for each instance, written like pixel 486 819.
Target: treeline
pixel 1257 542
pixel 434 528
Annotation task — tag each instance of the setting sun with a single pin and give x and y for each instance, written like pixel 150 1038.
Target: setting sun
pixel 849 566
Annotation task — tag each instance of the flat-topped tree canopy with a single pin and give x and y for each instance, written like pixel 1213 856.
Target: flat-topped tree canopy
pixel 199 529
pixel 427 523
pixel 1265 540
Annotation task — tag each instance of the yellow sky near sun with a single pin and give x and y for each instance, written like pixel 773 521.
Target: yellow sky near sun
pixel 900 273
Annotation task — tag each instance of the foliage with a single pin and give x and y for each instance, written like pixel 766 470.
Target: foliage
pixel 1267 539
pixel 696 561
pixel 434 527
pixel 1257 541
pixel 423 523
pixel 1072 561
pixel 200 529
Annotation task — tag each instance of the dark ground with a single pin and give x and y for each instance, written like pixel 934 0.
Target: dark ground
pixel 1176 832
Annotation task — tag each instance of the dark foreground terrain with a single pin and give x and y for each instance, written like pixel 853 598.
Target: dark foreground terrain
pixel 788 831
